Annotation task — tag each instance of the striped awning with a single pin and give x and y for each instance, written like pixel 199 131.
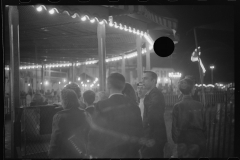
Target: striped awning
pixel 168 23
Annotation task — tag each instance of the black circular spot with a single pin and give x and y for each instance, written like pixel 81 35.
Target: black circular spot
pixel 163 46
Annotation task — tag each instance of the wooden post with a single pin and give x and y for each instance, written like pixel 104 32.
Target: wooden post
pixel 14 78
pixel 101 33
pixel 123 65
pixel 200 72
pixel 139 58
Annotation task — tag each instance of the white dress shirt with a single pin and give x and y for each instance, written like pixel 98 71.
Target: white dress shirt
pixel 141 106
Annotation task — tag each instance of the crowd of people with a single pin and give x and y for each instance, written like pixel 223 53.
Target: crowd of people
pixel 122 123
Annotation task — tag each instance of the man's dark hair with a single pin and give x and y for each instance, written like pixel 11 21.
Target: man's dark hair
pixel 117 81
pixel 153 74
pixel 75 88
pixel 185 86
pixel 89 97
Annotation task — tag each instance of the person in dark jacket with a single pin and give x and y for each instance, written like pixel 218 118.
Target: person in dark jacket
pixel 117 125
pixel 153 118
pixel 69 129
pixel 188 125
pixel 88 99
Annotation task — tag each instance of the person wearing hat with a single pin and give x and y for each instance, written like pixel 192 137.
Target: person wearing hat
pixel 188 124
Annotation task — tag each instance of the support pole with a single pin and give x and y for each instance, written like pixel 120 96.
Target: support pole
pixel 199 67
pixel 123 65
pixel 72 71
pixel 42 75
pixel 14 80
pixel 139 58
pixel 148 64
pixel 101 33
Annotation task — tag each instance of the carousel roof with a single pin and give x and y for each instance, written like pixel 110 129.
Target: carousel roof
pixel 61 35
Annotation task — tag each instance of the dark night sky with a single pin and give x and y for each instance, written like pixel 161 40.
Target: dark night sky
pixel 217 47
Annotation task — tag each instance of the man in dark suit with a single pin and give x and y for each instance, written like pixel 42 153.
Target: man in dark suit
pixel 153 118
pixel 117 124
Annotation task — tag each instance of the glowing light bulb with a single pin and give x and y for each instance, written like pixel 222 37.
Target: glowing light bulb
pixel 39 9
pixel 111 24
pixel 79 79
pixel 51 11
pixel 59 82
pixel 84 18
pixel 92 20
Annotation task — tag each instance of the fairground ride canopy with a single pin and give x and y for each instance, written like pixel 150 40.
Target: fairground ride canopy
pixel 66 34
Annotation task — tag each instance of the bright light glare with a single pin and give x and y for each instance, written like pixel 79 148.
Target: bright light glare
pixel 92 20
pixel 46 83
pixel 39 9
pixel 84 18
pixel 51 11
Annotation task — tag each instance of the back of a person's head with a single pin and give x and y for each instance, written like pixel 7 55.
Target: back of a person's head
pixel 74 86
pixel 69 99
pixel 185 86
pixel 129 92
pixel 89 97
pixel 117 81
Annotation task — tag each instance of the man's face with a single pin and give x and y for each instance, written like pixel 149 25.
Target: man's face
pixel 141 91
pixel 147 80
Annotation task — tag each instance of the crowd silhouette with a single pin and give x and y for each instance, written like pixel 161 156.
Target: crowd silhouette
pixel 123 123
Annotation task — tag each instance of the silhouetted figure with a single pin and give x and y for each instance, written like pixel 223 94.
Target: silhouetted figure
pixel 188 126
pixel 153 118
pixel 117 124
pixel 88 99
pixel 129 92
pixel 69 129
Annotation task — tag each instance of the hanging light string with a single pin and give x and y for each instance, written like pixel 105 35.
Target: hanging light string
pixel 120 26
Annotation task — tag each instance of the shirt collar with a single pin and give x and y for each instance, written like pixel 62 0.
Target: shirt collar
pixel 115 94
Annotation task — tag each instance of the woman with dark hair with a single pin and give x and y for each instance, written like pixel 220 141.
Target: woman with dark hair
pixel 69 129
pixel 77 90
pixel 129 92
pixel 188 125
